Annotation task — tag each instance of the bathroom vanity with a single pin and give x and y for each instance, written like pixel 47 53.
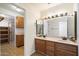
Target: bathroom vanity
pixel 55 46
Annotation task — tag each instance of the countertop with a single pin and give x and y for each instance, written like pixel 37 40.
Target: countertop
pixel 54 39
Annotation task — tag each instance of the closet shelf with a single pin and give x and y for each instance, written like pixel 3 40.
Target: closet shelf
pixel 4 34
pixel 3 30
pixel 4 38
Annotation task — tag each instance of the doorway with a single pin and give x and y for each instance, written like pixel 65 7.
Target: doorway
pixel 11 30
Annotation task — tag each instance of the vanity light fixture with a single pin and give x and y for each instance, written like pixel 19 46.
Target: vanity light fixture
pixel 52 16
pixel 48 17
pixel 49 3
pixel 59 15
pixel 66 14
pixel 56 15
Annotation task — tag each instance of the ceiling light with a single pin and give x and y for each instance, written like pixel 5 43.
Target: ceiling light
pixel 49 3
pixel 16 8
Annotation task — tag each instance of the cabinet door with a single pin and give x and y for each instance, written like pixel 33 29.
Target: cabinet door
pixel 19 40
pixel 19 22
pixel 65 50
pixel 50 48
pixel 40 46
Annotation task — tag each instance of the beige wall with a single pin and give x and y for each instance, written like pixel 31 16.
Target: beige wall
pixel 61 8
pixel 30 31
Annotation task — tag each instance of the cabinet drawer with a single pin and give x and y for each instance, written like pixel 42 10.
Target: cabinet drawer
pixel 66 47
pixel 60 52
pixel 49 43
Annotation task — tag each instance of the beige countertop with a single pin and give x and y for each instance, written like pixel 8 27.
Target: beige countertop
pixel 54 39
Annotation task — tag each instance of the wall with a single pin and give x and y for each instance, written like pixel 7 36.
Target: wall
pixel 19 31
pixel 78 27
pixel 30 32
pixel 31 16
pixel 61 8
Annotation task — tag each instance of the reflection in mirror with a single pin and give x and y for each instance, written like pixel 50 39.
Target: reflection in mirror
pixel 55 27
pixel 39 27
pixel 63 27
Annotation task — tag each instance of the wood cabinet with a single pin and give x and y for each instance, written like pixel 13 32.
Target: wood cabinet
pixel 20 22
pixel 50 48
pixel 4 34
pixel 40 46
pixel 55 48
pixel 65 50
pixel 19 40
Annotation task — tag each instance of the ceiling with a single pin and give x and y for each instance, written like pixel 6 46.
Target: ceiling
pixel 11 8
pixel 41 6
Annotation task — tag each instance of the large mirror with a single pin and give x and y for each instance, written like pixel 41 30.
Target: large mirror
pixel 39 28
pixel 62 26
